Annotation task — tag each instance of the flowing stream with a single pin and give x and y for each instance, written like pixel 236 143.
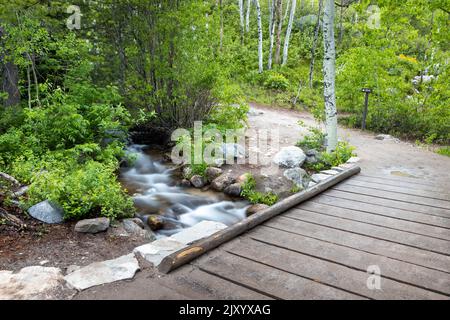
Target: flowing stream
pixel 154 191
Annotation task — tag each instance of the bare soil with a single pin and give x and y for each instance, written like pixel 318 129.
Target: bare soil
pixel 58 245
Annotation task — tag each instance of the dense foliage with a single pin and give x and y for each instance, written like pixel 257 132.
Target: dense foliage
pixel 69 96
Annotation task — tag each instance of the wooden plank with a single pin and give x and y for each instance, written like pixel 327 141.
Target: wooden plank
pixel 439 206
pixel 397 270
pixel 390 203
pixel 198 248
pixel 403 190
pixel 411 180
pixel 368 244
pixel 377 220
pixel 402 184
pixel 397 236
pixel 383 211
pixel 326 272
pixel 198 284
pixel 273 282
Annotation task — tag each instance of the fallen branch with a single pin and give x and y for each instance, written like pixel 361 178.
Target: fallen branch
pixel 10 219
pixel 10 179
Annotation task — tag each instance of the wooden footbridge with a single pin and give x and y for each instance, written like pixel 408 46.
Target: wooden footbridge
pixel 367 237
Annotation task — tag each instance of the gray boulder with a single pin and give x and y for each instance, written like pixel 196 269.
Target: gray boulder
pixel 47 212
pixel 135 227
pixel 92 225
pixel 290 157
pixel 198 181
pixel 234 190
pixel 295 175
pixel 221 182
pixel 212 173
pixel 185 183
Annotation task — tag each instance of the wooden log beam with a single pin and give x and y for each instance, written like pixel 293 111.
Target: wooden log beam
pixel 183 256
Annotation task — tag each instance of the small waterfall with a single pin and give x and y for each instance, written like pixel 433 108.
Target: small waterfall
pixel 154 192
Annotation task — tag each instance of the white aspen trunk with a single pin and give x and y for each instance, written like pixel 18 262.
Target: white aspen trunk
pixel 329 75
pixel 286 12
pixel 241 17
pixel 271 33
pixel 247 17
pixel 313 49
pixel 288 32
pixel 278 14
pixel 260 37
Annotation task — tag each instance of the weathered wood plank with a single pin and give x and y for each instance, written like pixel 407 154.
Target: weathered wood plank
pixel 397 270
pixel 383 211
pixel 325 272
pixel 401 183
pixel 382 221
pixel 197 284
pixel 397 236
pixel 364 243
pixel 389 203
pixel 411 180
pixel 273 282
pixel 403 190
pixel 438 206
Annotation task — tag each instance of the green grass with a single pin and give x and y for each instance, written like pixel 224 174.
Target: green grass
pixel 445 151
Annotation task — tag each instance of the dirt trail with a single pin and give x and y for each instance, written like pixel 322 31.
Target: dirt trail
pixel 386 158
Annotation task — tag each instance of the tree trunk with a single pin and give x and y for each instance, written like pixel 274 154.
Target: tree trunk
pixel 286 11
pixel 260 37
pixel 313 49
pixel 221 26
pixel 247 17
pixel 288 32
pixel 271 33
pixel 241 18
pixel 329 75
pixel 341 22
pixel 10 84
pixel 278 10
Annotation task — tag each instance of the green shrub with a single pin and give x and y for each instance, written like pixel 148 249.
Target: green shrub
pixel 276 81
pixel 86 190
pixel 445 151
pixel 249 193
pixel 339 156
pixel 315 139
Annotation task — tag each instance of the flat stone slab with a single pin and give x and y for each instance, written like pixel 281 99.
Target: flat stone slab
pixel 199 231
pixel 353 160
pixel 35 282
pixel 47 212
pixel 330 172
pixel 157 250
pixel 103 272
pixel 319 177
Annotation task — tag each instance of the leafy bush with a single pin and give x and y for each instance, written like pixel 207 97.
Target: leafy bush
pixel 315 139
pixel 86 190
pixel 339 156
pixel 276 81
pixel 249 193
pixel 445 151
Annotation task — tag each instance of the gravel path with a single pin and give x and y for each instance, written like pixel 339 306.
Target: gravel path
pixel 388 157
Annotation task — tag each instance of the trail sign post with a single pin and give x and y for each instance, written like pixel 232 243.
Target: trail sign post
pixel 367 91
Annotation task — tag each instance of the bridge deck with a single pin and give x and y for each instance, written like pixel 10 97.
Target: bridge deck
pixel 322 249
